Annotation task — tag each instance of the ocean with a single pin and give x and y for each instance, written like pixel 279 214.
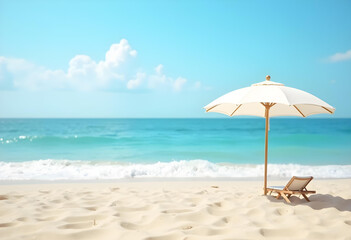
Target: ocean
pixel 80 149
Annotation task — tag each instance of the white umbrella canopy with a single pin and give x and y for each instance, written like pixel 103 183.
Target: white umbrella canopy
pixel 269 99
pixel 250 101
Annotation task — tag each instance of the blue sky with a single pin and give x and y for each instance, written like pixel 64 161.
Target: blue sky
pixel 166 58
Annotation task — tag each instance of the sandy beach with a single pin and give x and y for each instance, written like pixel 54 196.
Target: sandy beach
pixel 176 209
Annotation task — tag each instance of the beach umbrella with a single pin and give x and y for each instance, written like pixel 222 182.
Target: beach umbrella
pixel 269 99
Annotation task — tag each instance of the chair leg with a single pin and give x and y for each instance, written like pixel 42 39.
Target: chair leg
pixel 278 196
pixel 286 199
pixel 304 195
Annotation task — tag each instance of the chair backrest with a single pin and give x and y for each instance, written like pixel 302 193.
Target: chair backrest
pixel 298 183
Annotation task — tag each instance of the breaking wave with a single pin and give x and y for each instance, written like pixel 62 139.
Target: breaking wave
pixel 52 169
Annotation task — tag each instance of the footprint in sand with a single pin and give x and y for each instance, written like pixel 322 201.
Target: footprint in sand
pixel 91 208
pixel 43 206
pixel 115 203
pixel 202 192
pixel 284 211
pixel 114 189
pixel 3 197
pixel 78 225
pixel 22 219
pixel 9 224
pixel 222 222
pixel 68 198
pixel 44 191
pixel 218 204
pixel 56 201
pixel 187 227
pixel 130 226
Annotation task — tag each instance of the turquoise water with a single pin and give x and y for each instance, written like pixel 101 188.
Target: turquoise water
pixel 121 142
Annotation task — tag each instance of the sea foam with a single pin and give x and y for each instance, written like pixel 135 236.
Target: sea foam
pixel 83 170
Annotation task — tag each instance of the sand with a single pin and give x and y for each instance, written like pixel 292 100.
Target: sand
pixel 170 210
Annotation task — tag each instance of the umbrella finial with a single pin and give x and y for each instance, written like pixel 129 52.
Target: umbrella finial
pixel 268 77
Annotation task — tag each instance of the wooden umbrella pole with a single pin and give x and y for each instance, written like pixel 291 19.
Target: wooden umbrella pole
pixel 267 106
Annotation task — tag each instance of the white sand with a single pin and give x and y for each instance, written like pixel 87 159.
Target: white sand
pixel 172 210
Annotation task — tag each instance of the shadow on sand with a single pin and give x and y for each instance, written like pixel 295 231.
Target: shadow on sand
pixel 318 202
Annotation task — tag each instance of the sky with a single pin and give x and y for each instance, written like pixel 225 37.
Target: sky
pixel 151 59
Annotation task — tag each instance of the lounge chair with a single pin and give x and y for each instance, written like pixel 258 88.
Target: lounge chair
pixel 296 185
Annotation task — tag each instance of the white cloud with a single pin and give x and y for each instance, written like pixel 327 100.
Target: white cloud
pixel 159 69
pixel 179 83
pixel 197 85
pixel 19 73
pixel 338 57
pixel 136 82
pixel 118 53
pixel 85 74
pixel 133 53
pixel 159 80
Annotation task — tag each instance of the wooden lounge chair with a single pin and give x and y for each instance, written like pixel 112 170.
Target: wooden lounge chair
pixel 296 185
